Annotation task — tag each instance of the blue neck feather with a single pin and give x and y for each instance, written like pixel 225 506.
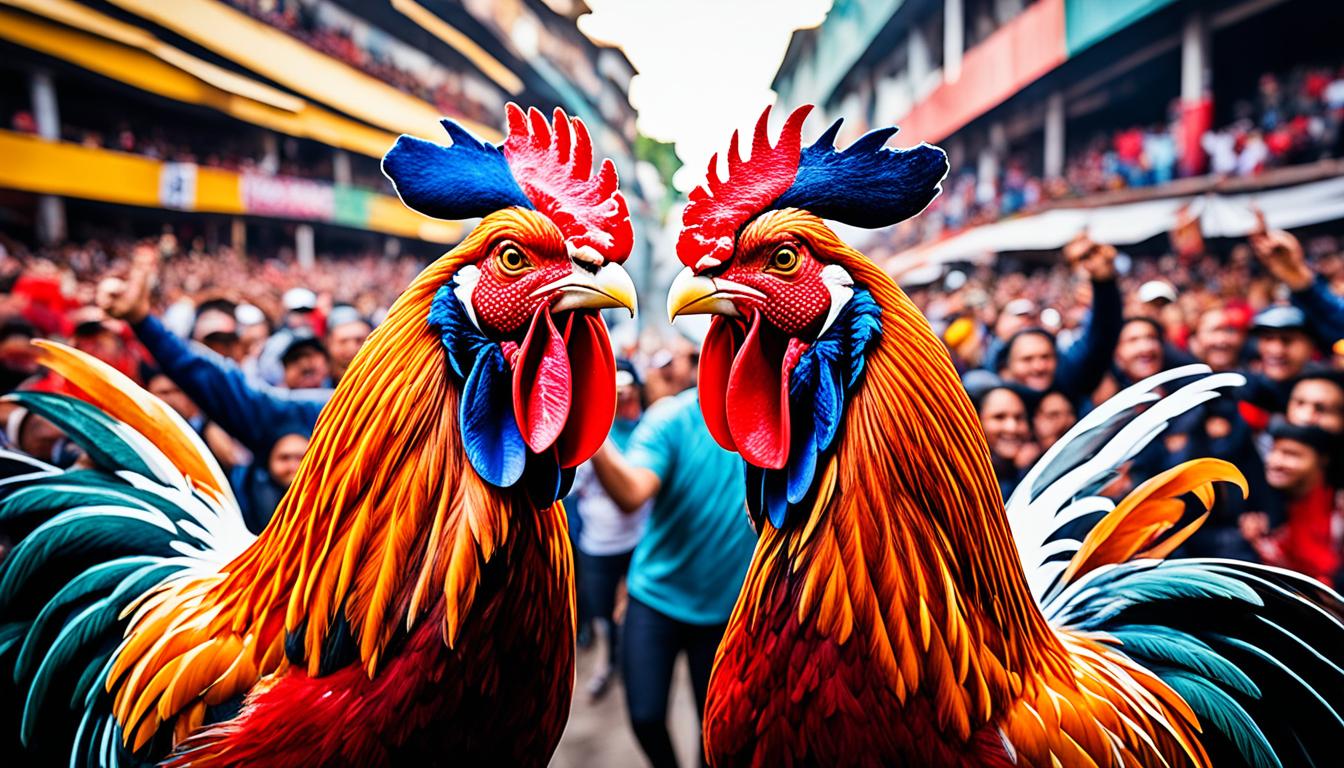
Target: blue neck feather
pixel 819 387
pixel 490 435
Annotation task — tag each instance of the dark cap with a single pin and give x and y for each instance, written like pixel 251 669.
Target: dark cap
pixel 300 339
pixel 1280 319
pixel 625 366
pixel 1316 438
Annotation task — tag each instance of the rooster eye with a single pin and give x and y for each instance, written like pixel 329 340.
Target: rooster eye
pixel 784 260
pixel 511 260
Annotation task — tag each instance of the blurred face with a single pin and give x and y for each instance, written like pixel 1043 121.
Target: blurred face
pixel 1217 340
pixel 1284 353
pixel 1031 361
pixel 286 457
pixel 344 341
pixel 1053 418
pixel 18 354
pixel 627 402
pixel 1293 467
pixel 1004 419
pixel 254 336
pixel 163 388
pixel 1008 324
pixel 307 371
pixel 225 344
pixel 102 344
pixel 1317 403
pixel 1138 353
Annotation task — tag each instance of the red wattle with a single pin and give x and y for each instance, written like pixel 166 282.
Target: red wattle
pixel 716 362
pixel 758 397
pixel 541 383
pixel 593 370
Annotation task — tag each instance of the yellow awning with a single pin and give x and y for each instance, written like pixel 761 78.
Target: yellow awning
pixel 32 164
pixel 461 43
pixel 129 55
pixel 284 59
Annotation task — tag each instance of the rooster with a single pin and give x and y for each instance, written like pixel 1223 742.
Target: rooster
pixel 895 612
pixel 412 600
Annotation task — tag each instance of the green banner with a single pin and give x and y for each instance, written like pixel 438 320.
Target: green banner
pixel 350 206
pixel 1088 21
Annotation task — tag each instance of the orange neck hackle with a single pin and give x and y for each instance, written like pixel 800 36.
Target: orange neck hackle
pixel 384 519
pixel 384 522
pixel 907 540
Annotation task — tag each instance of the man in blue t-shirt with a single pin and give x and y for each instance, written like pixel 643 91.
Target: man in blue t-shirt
pixel 688 568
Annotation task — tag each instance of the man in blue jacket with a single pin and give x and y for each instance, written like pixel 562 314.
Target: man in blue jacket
pixel 258 416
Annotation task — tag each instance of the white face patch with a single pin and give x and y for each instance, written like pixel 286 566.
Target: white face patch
pixel 466 279
pixel 840 285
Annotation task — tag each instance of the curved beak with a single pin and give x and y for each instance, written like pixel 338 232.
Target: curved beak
pixel 692 294
pixel 608 288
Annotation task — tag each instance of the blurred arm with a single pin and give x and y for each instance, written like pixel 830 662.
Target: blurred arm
pixel 627 485
pixel 221 389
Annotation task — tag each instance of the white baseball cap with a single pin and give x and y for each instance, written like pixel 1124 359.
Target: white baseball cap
pixel 299 299
pixel 1154 290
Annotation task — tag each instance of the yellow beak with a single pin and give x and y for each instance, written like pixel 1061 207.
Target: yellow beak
pixel 608 288
pixel 692 294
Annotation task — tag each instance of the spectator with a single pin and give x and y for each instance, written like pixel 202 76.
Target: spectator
pixel 217 328
pixel 228 452
pixel 1317 400
pixel 257 416
pixel 688 568
pixel 305 360
pixel 1054 415
pixel 608 534
pixel 300 307
pixel 259 486
pixel 1012 448
pixel 1285 346
pixel 18 357
pixel 347 331
pixel 1030 357
pixel 1139 351
pixel 1282 255
pixel 1308 540
pixel 1218 339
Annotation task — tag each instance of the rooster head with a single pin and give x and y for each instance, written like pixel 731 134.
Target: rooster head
pixel 790 324
pixel 519 312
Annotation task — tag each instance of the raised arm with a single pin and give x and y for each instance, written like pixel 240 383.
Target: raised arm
pixel 1082 366
pixel 216 384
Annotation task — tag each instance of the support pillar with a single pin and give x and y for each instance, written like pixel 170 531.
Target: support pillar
pixel 270 153
pixel 305 250
pixel 1196 91
pixel 988 162
pixel 1054 135
pixel 238 235
pixel 340 167
pixel 954 39
pixel 51 226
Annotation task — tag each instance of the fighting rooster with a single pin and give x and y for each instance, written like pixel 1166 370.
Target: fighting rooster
pixel 894 612
pixel 412 601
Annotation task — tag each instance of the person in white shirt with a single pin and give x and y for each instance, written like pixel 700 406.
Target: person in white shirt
pixel 608 535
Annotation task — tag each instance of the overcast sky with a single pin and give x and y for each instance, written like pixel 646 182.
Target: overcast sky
pixel 705 66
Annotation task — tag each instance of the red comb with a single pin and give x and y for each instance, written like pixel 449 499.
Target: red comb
pixel 553 163
pixel 718 209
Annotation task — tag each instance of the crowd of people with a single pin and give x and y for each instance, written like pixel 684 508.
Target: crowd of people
pixel 300 19
pixel 248 350
pixel 1038 351
pixel 1293 118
